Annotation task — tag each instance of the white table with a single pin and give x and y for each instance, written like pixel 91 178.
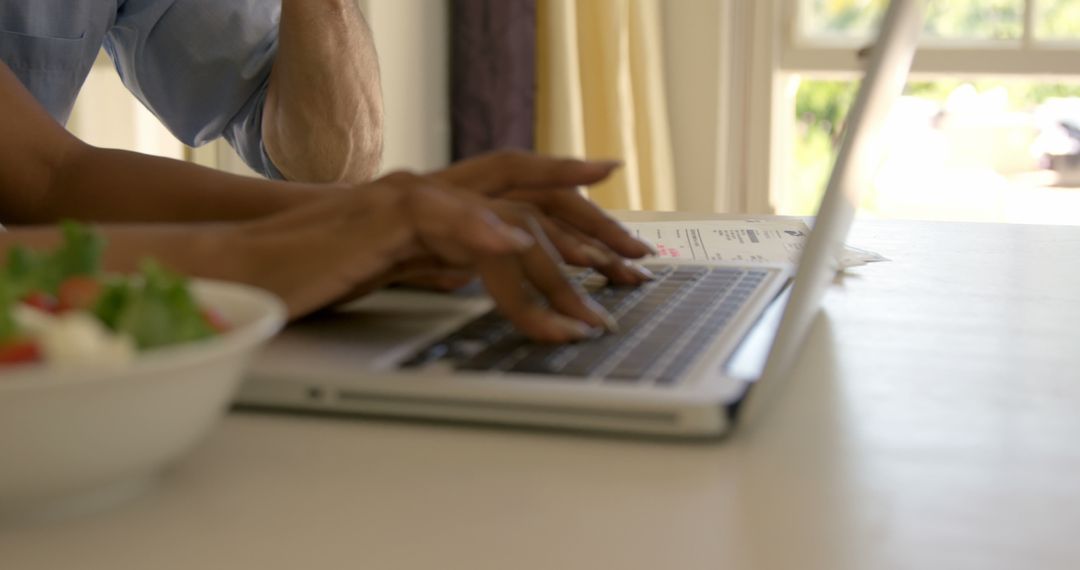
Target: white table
pixel 934 423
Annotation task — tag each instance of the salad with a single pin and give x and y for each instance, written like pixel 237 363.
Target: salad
pixel 60 308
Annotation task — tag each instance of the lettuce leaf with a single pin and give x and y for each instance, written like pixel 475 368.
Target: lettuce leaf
pixel 8 329
pixel 79 254
pixel 155 309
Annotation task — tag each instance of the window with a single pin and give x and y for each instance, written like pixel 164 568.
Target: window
pixel 107 115
pixel 1057 19
pixel 988 130
pixel 945 19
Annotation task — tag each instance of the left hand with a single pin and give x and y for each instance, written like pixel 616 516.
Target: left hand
pixel 579 230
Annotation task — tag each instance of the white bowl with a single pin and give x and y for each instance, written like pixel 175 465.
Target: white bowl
pixel 74 440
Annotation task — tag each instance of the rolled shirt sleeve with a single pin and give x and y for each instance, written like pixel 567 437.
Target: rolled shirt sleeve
pixel 201 66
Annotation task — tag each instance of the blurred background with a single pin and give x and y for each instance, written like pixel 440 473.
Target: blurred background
pixel 993 135
pixel 714 105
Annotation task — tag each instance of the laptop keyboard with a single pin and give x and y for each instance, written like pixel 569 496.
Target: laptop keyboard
pixel 663 326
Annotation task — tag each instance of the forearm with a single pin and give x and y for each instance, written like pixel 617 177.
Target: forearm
pixel 322 119
pixel 101 185
pixel 194 250
pixel 310 256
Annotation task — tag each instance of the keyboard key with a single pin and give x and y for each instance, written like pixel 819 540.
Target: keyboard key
pixel 428 355
pixel 623 375
pixel 655 319
pixel 673 374
pixel 631 320
pixel 498 356
pixel 590 355
pixel 539 360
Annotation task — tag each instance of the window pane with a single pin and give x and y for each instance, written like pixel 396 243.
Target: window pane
pixel 106 114
pixel 991 150
pixel 841 18
pixel 952 19
pixel 1058 19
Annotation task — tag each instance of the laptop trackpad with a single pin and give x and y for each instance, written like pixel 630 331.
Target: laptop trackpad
pixel 375 332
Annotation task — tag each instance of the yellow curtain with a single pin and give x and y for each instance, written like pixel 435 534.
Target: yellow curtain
pixel 601 95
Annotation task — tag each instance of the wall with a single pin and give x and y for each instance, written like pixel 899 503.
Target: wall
pixel 413 45
pixel 692 60
pixel 412 39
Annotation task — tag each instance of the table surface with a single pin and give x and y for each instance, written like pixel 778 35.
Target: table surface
pixel 932 423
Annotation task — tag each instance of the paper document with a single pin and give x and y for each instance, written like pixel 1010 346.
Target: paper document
pixel 752 240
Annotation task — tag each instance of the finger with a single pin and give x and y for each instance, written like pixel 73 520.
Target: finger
pixel 571 315
pixel 541 267
pixel 508 273
pixel 570 246
pixel 494 173
pixel 583 214
pixel 458 227
pixel 431 273
pixel 507 284
pixel 442 281
pixel 583 251
pixel 595 254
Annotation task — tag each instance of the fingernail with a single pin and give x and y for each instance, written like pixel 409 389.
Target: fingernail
pixel 610 324
pixel 648 246
pixel 640 271
pixel 577 330
pixel 595 255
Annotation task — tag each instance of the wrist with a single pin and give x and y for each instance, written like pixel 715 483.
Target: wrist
pixel 355 238
pixel 222 251
pixel 293 195
pixel 399 239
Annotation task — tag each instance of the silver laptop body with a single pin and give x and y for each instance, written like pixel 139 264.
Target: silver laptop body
pixel 351 362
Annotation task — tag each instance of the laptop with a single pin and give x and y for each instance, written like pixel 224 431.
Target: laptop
pixel 693 345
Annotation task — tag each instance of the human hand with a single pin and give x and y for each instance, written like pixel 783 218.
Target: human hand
pixel 353 242
pixel 579 230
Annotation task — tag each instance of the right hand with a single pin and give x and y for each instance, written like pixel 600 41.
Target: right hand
pixel 356 241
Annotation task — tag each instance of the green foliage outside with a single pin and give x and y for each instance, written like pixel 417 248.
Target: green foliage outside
pixel 1058 19
pixel 982 19
pixel 821 106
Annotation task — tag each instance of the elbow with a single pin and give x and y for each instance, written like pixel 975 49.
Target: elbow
pixel 360 159
pixel 349 153
pixel 365 160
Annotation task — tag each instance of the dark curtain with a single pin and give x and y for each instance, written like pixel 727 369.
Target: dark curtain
pixel 493 66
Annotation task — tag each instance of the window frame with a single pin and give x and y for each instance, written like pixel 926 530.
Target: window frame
pixel 792 55
pixel 1026 56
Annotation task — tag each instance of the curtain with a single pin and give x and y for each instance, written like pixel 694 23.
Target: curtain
pixel 601 95
pixel 493 81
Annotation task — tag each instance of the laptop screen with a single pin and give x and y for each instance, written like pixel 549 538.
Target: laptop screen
pixel 856 161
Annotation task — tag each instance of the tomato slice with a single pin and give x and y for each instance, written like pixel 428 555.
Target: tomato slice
pixel 215 320
pixel 42 301
pixel 19 351
pixel 78 293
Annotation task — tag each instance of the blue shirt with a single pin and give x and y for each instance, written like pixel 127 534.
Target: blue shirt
pixel 201 66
